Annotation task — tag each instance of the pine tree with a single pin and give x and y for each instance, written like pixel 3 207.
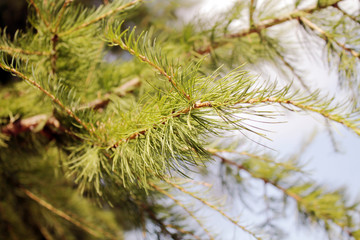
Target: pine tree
pixel 117 114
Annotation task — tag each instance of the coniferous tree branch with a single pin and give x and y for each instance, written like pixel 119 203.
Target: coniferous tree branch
pixel 302 201
pixel 159 128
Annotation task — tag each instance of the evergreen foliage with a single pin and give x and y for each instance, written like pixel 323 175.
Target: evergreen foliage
pixel 117 114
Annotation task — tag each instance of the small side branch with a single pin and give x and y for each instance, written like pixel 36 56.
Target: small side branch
pixel 67 217
pixel 299 199
pixel 328 36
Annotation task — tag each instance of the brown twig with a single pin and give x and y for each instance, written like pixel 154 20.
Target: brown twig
pixel 328 36
pixel 65 216
pixel 261 26
pixel 31 123
pixel 66 3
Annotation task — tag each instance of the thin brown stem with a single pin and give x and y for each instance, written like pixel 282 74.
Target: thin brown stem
pixel 57 24
pixel 61 213
pixel 105 15
pixel 261 26
pixel 39 13
pixel 328 36
pixel 53 56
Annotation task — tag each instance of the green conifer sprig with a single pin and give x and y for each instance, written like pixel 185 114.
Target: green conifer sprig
pixel 120 131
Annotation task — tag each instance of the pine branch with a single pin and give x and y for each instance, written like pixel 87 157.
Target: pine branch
pixel 328 36
pixel 288 192
pixel 236 223
pixel 322 112
pixel 257 27
pixel 242 167
pixel 199 105
pixel 47 93
pixel 86 227
pixel 299 199
pixel 105 15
